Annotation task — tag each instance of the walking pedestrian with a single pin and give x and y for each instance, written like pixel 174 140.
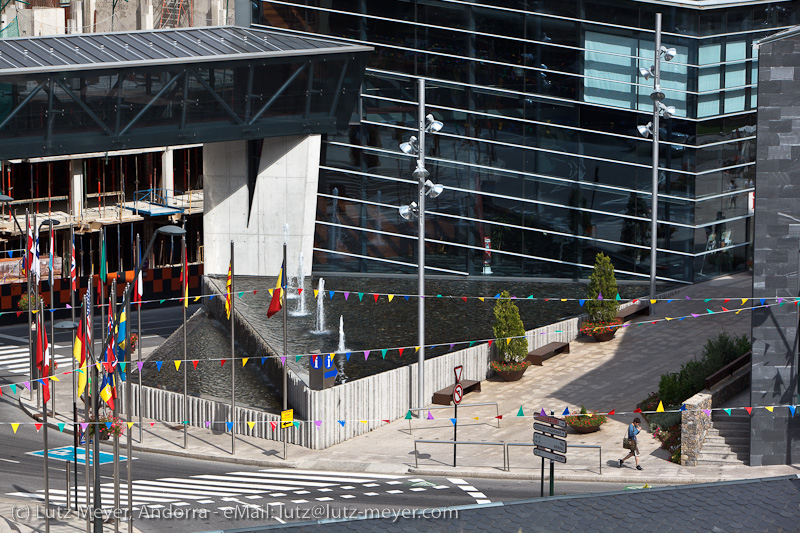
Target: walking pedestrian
pixel 633 443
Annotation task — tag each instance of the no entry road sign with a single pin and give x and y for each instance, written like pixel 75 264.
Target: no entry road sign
pixel 458 393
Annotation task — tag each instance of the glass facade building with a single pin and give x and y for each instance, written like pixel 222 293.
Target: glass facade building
pixel 540 155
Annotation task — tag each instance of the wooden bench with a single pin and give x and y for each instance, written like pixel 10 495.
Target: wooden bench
pixel 445 396
pixel 540 355
pixel 639 308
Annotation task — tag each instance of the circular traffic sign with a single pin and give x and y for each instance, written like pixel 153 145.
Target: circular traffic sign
pixel 458 393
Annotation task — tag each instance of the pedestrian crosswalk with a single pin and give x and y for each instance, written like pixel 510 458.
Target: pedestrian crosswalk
pixel 271 486
pixel 15 359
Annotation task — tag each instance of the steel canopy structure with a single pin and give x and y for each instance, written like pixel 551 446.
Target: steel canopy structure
pixel 111 91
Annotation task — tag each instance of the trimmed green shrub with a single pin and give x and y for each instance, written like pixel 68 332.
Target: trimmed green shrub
pixel 508 324
pixel 602 281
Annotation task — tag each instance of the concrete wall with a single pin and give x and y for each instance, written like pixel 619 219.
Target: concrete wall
pixel 775 437
pixel 285 193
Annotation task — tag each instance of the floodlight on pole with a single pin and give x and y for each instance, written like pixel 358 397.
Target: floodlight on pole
pixel 408 212
pixel 646 73
pixel 410 147
pixel 432 125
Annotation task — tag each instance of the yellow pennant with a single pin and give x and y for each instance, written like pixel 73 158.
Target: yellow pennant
pixel 34 311
pixel 769 408
pixel 480 298
pixel 653 301
pixel 177 364
pixel 196 298
pixel 245 360
pixel 508 340
pixel 251 424
pixel 660 408
pixel 416 349
pixel 668 318
pixel 270 291
pixel 98 365
pixel 744 300
pixel 316 293
pixel 54 378
pixel 363 421
pixel 475 418
pixel 330 358
pixel 563 299
pixel 391 297
pixel 130 424
pixel 15 427
pixel 737 312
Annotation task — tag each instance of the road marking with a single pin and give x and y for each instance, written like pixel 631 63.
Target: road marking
pixel 456 481
pixel 370 494
pixel 9 460
pixel 322 473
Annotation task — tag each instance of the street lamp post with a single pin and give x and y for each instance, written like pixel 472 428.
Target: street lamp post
pixel 652 128
pixel 71 325
pixel 426 124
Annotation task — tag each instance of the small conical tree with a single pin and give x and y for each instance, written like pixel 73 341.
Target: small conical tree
pixel 602 282
pixel 508 324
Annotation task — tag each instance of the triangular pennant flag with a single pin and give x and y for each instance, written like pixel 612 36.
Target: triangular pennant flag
pixel 318 423
pixel 452 345
pixel 363 422
pixel 222 362
pixel 121 365
pixel 152 424
pixel 660 408
pixel 401 351
pixel 695 315
pixel 683 407
pixel 618 298
pixel 13 389
pixel 263 359
pixel 384 420
pixel 241 294
pixel 26 385
pixel 346 295
pixel 296 424
pixel 611 412
pixel 520 413
pixel 405 296
pixel 211 297
pixel 366 354
pixel 245 360
pixel 194 363
pixel 208 424
pixel 140 364
pixel 727 411
pixel 177 364
pixel 481 298
pixel 471 344
pixel 581 302
pixel 769 408
pixel 791 408
pixel 196 298
pixel 599 295
pixel 130 424
pixel 161 301
pixel 724 309
pixel 749 410
pixel 251 424
pixel 744 300
pixel 464 298
pixel 376 297
pixel 330 294
pixel 566 412
pixel 499 417
pixel 347 355
pixel 15 426
pixel 637 410
pixel 762 301
pixel 360 296
pixel 270 292
pixel 61 427
pixel 108 425
pixel 508 341
pixel 491 341
pixel 316 293
pixel 383 353
pixel 296 358
pixel 408 416
pixel 158 365
pixel 453 420
pixel 391 297
pixel 430 416
pixel 653 301
pixel 283 360
pixel 230 425
pixel 542 413
pixel 84 425
pixel 710 312
pixel 273 425
pixel 707 412
pixel 341 422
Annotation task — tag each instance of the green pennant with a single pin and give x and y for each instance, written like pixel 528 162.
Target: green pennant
pixel 530 297
pixel 707 300
pixel 241 294
pixel 122 365
pixel 360 296
pixel 710 312
pixel 161 301
pixel 471 344
pixel 727 411
pixel 618 298
pixel 297 358
pixel 13 389
pixel 438 295
pixel 408 415
pixel 296 424
pixel 383 353
pixel 61 427
pixel 520 413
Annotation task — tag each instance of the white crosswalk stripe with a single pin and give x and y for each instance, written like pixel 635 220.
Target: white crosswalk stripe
pixel 15 359
pixel 209 489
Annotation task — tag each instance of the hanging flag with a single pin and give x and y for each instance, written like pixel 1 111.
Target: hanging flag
pixel 275 303
pixel 228 292
pixel 43 357
pixel 52 252
pixel 35 262
pixel 72 274
pixel 122 331
pixel 103 263
pixel 106 391
pixel 79 353
pixel 27 258
pixel 138 283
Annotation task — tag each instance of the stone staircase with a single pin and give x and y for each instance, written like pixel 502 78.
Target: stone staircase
pixel 727 442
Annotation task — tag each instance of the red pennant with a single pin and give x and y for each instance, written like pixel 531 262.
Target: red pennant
pixel 299 291
pixel 634 301
pixel 19 313
pixel 376 297
pixel 222 363
pixel 401 351
pixel 195 364
pixel 490 342
pixel 547 299
pixel 499 417
pixel 385 421
pixel 273 425
pixel 637 410
pixel 749 410
pixel 464 298
pixel 255 292
pixel 1 392
pixel 38 427
pixel 724 309
pixel 726 300
pixel 152 424
pixel 611 412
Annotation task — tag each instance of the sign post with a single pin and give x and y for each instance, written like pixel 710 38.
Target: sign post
pixel 287 421
pixel 458 394
pixel 547 444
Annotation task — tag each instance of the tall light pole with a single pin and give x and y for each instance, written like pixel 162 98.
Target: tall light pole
pixel 425 124
pixel 651 128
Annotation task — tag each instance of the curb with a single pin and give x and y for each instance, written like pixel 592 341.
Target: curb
pixel 523 476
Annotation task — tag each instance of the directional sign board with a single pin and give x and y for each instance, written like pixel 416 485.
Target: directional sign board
pixel 457 371
pixel 550 429
pixel 547 454
pixel 551 420
pixel 67 453
pixel 287 418
pixel 545 441
pixel 458 393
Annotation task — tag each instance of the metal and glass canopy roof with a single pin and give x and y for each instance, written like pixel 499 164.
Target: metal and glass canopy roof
pixel 109 91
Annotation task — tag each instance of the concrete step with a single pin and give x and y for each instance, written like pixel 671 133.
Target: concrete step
pixel 715 462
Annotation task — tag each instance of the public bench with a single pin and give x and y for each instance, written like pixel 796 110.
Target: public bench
pixel 540 355
pixel 639 308
pixel 445 396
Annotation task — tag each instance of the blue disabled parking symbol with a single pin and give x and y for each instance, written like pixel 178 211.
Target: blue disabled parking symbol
pixel 67 453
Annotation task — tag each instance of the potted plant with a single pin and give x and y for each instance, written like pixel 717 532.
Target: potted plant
pixel 586 422
pixel 601 303
pixel 116 427
pixel 24 302
pixel 512 346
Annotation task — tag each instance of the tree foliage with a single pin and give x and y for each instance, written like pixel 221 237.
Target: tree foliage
pixel 508 324
pixel 602 281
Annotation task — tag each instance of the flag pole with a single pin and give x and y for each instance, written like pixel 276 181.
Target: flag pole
pixel 52 308
pixel 97 501
pixel 35 259
pixel 112 312
pixel 129 410
pixel 185 303
pixel 233 364
pixel 41 333
pixel 89 347
pixel 30 300
pixel 285 342
pixel 73 285
pixel 139 329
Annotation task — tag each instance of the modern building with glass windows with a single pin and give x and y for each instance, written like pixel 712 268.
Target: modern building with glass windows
pixel 540 154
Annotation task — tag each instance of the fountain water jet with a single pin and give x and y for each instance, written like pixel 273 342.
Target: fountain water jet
pixel 301 288
pixel 341 348
pixel 319 328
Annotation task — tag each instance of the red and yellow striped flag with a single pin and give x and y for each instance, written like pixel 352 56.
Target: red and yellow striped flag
pixel 228 293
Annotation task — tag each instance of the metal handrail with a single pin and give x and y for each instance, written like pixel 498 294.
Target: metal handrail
pixel 599 449
pixel 480 443
pixel 496 408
